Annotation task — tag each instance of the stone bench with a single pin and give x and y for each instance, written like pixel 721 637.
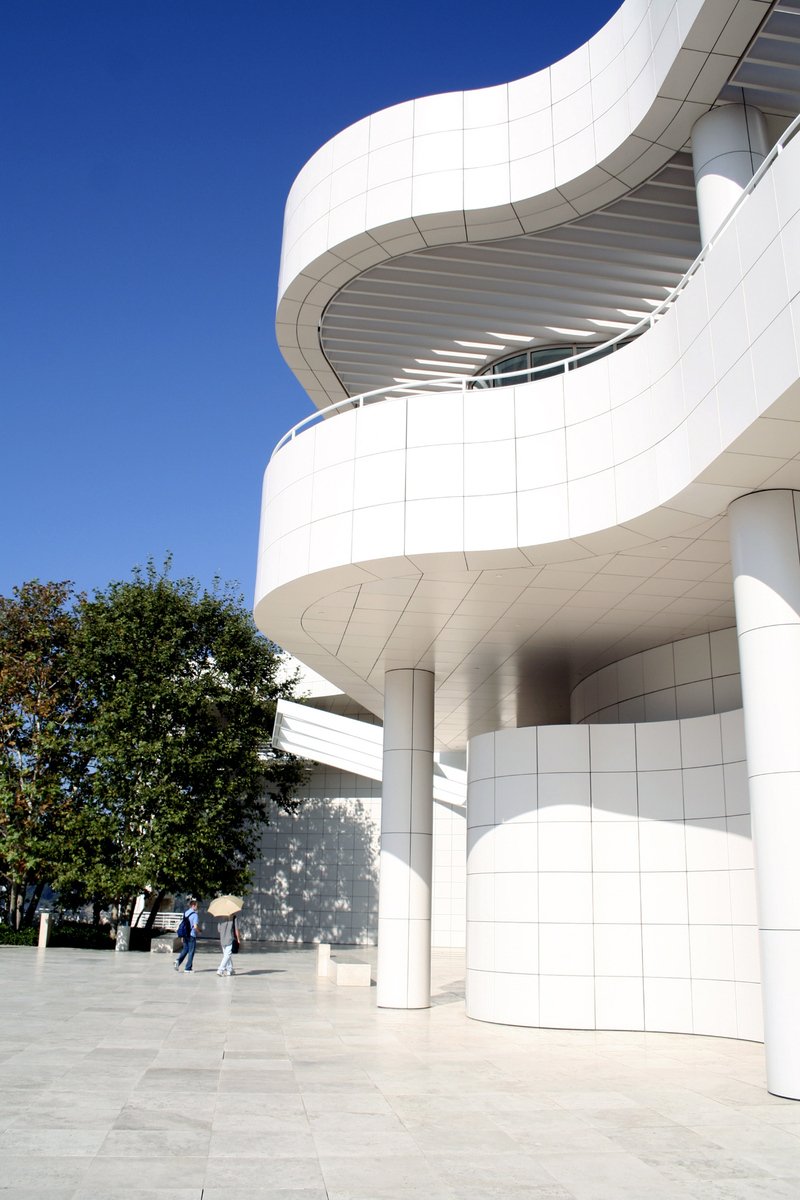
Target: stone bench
pixel 343 974
pixel 165 944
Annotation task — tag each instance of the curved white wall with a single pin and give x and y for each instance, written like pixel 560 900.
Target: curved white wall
pixel 693 677
pixel 667 430
pixel 499 161
pixel 610 878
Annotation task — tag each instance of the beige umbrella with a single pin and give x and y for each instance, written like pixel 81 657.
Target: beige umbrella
pixel 225 906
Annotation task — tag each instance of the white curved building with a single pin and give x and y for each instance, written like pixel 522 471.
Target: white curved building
pixel 560 530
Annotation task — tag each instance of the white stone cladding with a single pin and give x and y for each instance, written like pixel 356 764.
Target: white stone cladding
pixel 574 527
pixel 610 879
pixel 317 876
pixel 690 678
pixel 449 904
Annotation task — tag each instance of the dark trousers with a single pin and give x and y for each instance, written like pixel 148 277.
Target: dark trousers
pixel 189 947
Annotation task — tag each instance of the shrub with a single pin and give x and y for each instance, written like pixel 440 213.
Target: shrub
pixel 21 937
pixel 82 936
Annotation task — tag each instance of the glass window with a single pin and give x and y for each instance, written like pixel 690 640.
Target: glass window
pixel 518 363
pixel 554 354
pixel 590 358
pixel 504 373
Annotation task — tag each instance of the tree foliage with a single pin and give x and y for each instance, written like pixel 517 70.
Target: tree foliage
pixel 40 762
pixel 165 767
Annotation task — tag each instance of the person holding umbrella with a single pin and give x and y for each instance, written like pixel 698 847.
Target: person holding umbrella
pixel 225 909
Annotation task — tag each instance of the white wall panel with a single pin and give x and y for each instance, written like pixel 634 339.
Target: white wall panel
pixel 663 676
pixel 643 922
pixel 589 124
pixel 317 875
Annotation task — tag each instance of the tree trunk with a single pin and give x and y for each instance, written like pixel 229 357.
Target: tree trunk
pixel 155 905
pixel 13 907
pixel 33 904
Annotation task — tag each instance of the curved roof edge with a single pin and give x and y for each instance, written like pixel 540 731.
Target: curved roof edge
pixel 629 464
pixel 499 161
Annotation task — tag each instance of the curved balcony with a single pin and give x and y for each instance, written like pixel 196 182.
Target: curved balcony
pixel 501 161
pixel 477 498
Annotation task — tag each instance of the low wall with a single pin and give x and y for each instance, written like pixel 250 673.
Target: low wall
pixel 610 878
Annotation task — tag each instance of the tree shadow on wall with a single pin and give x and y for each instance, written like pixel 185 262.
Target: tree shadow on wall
pixel 317 880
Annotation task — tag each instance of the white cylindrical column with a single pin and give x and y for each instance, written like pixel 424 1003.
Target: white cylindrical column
pixel 765 552
pixel 404 912
pixel 728 146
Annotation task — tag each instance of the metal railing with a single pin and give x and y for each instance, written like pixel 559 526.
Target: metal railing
pixel 465 382
pixel 167 922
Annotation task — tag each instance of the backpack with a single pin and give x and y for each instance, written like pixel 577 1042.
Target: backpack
pixel 184 930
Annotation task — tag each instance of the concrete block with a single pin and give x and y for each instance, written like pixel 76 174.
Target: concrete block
pixel 350 974
pixel 164 945
pixel 45 928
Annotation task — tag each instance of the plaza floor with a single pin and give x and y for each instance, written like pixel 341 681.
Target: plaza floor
pixel 121 1078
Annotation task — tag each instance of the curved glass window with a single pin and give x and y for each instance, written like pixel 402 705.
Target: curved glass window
pixel 502 372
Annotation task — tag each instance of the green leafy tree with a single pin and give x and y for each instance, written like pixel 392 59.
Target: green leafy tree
pixel 179 692
pixel 40 764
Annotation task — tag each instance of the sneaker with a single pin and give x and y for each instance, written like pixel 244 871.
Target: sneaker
pixel 177 965
pixel 220 973
pixel 187 970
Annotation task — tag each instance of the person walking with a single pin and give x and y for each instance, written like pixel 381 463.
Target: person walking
pixel 189 941
pixel 228 939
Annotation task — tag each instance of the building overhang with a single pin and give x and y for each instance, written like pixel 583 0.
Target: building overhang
pixel 571 522
pixel 478 170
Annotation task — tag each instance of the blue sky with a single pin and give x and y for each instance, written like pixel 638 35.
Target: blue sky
pixel 147 150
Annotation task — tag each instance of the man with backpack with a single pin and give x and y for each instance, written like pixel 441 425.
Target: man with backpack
pixel 187 930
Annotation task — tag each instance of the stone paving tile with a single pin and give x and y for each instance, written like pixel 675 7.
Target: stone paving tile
pixel 616 1176
pixel 374 1191
pixel 25 1193
pixel 167 1111
pixel 404 1173
pixel 60 1143
pixel 133 1192
pixel 154 1171
pixel 749 1188
pixel 140 1143
pixel 288 1088
pixel 289 1174
pixel 516 1170
pixel 259 1106
pixel 248 1142
pixel 348 1104
pixel 72 1111
pixel 227 1193
pixel 41 1173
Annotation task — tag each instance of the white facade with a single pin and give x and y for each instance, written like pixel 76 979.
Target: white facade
pixel 611 878
pixel 542 574
pixel 316 878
